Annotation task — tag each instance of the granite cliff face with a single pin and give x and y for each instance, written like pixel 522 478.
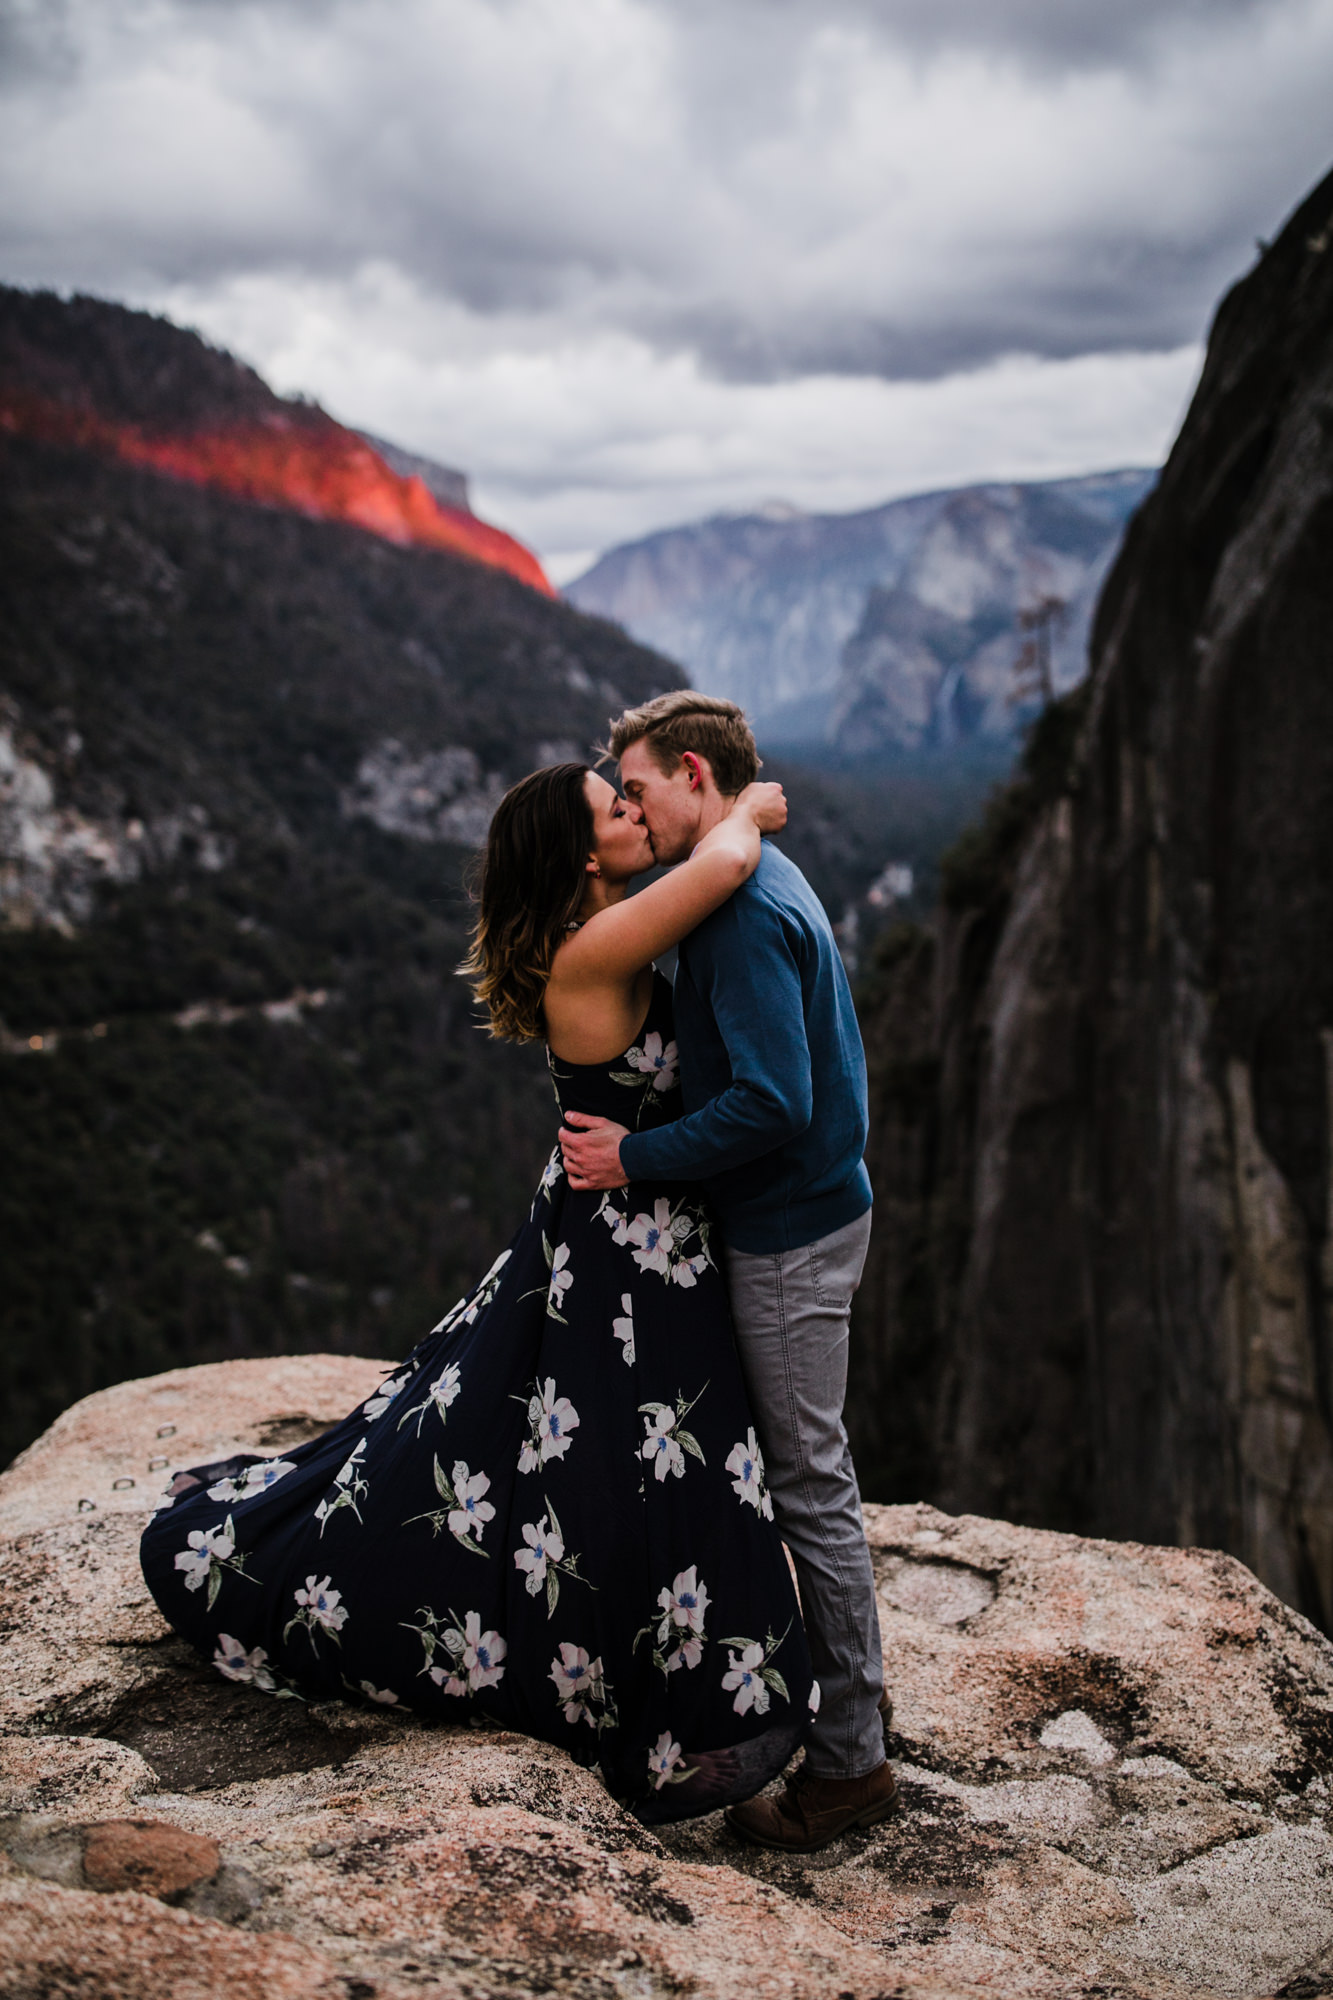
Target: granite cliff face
pixel 1114 1761
pixel 892 629
pixel 1099 1295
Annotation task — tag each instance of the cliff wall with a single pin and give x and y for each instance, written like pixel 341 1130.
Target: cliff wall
pixel 1099 1292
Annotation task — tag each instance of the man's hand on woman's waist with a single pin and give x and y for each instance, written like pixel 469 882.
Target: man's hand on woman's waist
pixel 592 1153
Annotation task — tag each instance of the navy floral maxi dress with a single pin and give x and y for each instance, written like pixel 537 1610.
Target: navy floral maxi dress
pixel 551 1516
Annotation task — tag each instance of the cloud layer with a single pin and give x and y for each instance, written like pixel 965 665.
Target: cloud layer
pixel 644 256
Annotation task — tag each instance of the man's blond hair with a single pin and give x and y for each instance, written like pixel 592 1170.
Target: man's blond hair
pixel 703 723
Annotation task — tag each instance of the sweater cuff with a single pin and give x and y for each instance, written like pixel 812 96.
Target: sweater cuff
pixel 636 1155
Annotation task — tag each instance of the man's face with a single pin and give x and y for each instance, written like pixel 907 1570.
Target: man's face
pixel 670 803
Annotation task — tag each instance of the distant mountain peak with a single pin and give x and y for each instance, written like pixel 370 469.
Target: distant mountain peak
pixel 132 386
pixel 898 627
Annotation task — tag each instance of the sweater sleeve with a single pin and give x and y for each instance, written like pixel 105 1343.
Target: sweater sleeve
pixel 746 970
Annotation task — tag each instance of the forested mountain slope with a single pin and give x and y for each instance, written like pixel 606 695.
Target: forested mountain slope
pixel 244 759
pixel 131 386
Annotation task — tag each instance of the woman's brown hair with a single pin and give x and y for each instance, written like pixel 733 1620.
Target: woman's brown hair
pixel 533 877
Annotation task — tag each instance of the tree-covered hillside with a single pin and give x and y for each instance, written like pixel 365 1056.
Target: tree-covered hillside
pixel 214 717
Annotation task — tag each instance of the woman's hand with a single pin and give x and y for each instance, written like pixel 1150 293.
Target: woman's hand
pixel 766 804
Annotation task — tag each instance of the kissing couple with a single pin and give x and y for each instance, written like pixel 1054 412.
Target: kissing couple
pixel 564 1513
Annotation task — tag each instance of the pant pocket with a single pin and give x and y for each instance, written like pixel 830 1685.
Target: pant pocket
pixel 826 1282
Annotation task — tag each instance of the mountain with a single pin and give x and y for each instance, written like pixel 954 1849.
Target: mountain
pixel 448 485
pixel 1099 1293
pixel 892 628
pixel 133 387
pixel 245 756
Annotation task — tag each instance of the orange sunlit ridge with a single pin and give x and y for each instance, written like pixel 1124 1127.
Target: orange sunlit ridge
pixel 306 462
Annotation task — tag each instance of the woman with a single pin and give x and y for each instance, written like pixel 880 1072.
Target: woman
pixel 553 1515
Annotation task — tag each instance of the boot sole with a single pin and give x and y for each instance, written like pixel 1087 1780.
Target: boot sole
pixel 871 1816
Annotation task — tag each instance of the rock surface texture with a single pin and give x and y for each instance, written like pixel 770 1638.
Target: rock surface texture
pixel 1101 1277
pixel 1115 1766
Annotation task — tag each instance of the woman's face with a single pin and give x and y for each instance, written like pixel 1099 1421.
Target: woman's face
pixel 620 838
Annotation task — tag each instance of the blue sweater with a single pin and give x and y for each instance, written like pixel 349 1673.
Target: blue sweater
pixel 771 1068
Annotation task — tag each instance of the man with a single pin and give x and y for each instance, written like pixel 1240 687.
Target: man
pixel 774 1081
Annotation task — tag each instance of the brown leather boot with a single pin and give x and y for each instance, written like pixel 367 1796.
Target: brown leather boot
pixel 813 1811
pixel 886 1717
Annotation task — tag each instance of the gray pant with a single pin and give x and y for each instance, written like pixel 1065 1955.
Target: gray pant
pixel 792 1309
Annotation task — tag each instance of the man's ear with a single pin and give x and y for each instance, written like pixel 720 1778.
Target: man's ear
pixel 691 763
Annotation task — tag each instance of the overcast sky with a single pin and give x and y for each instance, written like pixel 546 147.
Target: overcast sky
pixel 630 262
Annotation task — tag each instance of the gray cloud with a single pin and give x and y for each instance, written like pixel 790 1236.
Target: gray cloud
pixel 1052 35
pixel 785 187
pixel 632 259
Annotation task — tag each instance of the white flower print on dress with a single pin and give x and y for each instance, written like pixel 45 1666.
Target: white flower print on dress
pixel 543 1559
pixel 558 1418
pixel 205 1546
pixel 348 1488
pixel 475 1659
pixel 652 1238
pixel 743 1675
pixel 749 1675
pixel 470 1512
pixel 439 1633
pixel 319 1607
pixel 652 1072
pixel 581 1688
pixel 558 1283
pixel 658 1241
pixel 551 1419
pixel 561 1280
pixel 681 1637
pixel 208 1553
pixel 623 1328
pixel 664 1762
pixel 661 1063
pixel 553 1171
pixel 666 1443
pixel 483 1655
pixel 376 1405
pixel 384 1696
pixel 252 1479
pixel 746 1464
pixel 544 1549
pixel 465 1312
pixel 442 1391
pixel 232 1661
pixel 660 1447
pixel 465 1512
